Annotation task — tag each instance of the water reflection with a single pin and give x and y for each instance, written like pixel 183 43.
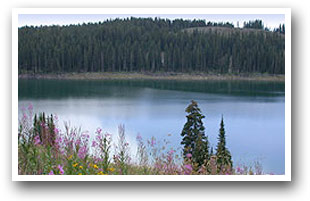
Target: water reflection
pixel 55 89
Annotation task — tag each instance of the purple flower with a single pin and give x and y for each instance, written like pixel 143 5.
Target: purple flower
pixel 51 173
pixel 78 142
pixel 238 169
pixel 153 141
pixel 94 143
pixel 189 155
pixel 85 135
pixel 61 170
pixel 158 166
pixel 58 140
pixel 30 107
pixel 43 124
pixel 188 169
pixel 170 155
pixel 98 138
pixel 37 140
pixel 98 131
pixel 56 130
pixel 67 141
pixel 82 152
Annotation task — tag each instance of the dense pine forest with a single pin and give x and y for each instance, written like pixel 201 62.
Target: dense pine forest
pixel 152 45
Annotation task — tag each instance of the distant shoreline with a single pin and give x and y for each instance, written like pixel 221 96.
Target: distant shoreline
pixel 153 76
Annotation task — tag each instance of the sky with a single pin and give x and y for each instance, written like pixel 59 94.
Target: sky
pixel 269 20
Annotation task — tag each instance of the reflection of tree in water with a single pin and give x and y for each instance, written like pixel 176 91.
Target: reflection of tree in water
pixel 128 88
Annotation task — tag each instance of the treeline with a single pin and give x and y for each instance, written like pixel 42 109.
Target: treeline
pixel 150 45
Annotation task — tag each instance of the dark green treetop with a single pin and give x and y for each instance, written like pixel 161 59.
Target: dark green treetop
pixel 194 140
pixel 222 153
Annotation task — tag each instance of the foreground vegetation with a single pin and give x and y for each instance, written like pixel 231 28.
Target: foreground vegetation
pixel 44 149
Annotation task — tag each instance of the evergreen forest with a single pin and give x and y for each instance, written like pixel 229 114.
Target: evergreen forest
pixel 150 45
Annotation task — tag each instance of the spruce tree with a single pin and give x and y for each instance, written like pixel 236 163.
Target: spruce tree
pixel 194 140
pixel 223 156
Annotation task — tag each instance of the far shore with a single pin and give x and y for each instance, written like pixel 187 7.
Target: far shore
pixel 153 76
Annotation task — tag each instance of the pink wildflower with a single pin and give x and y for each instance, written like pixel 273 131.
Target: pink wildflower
pixel 51 172
pixel 37 140
pixel 238 169
pixel 30 107
pixel 56 130
pixel 85 135
pixel 61 170
pixel 188 169
pixel 153 141
pixel 82 152
pixel 98 131
pixel 98 137
pixel 58 140
pixel 189 155
pixel 78 142
pixel 94 143
pixel 43 124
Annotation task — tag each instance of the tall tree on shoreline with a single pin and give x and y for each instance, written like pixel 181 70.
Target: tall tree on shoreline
pixel 223 156
pixel 194 140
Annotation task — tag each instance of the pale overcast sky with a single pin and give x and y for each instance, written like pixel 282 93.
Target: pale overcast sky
pixel 269 20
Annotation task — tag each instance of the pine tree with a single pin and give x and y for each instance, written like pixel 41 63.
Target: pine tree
pixel 223 156
pixel 194 140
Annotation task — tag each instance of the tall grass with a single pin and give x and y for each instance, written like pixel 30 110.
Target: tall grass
pixel 43 149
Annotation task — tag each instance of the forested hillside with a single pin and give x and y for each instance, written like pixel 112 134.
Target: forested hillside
pixel 151 45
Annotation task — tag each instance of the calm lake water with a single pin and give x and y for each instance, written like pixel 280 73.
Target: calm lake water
pixel 253 111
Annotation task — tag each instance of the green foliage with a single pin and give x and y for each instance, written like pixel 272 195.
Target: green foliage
pixel 281 29
pixel 257 24
pixel 122 157
pixel 223 156
pixel 194 140
pixel 44 128
pixel 150 45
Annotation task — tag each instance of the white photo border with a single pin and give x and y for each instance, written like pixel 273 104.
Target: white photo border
pixel 285 11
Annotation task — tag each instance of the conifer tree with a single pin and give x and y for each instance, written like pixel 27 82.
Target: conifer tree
pixel 194 140
pixel 223 156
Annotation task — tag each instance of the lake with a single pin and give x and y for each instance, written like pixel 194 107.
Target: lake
pixel 254 112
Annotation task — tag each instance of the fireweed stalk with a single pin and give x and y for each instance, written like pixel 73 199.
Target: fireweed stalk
pixel 43 148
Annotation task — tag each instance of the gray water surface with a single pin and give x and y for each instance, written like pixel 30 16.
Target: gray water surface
pixel 253 111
